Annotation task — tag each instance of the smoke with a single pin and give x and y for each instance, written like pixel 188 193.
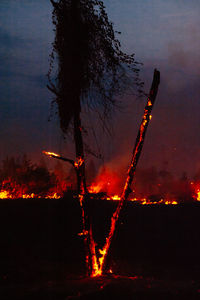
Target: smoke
pixel 150 183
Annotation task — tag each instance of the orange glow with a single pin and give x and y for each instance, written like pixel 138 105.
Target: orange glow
pixel 11 190
pixel 110 271
pixel 108 182
pixel 198 195
pixel 96 271
pixel 51 154
pixel 196 190
pixel 144 201
pixel 79 163
pixel 115 197
pixel 4 195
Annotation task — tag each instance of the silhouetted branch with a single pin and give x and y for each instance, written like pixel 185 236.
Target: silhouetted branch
pixel 57 156
pixel 53 90
pixel 72 162
pixel 54 3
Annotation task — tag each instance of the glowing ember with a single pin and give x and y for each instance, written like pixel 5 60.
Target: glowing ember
pixel 79 163
pixel 51 154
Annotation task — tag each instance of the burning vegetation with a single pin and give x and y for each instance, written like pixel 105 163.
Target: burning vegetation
pixel 20 178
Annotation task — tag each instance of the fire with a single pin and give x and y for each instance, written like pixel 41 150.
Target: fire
pixel 51 154
pixel 198 195
pixel 79 163
pixel 4 194
pixel 12 190
pixel 143 201
pixel 107 181
pixel 196 190
pixel 115 197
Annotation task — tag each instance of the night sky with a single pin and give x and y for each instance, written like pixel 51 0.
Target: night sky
pixel 162 34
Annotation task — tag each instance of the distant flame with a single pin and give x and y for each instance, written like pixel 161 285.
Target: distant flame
pixel 107 181
pixel 11 190
pixel 196 190
pixel 4 194
pixel 198 195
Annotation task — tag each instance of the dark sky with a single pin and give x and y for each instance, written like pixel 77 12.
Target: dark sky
pixel 162 34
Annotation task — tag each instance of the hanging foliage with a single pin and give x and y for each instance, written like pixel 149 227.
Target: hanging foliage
pixel 91 67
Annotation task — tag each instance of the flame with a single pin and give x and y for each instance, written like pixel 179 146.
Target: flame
pixel 51 154
pixel 198 195
pixel 115 197
pixel 196 190
pixel 4 194
pixel 79 163
pixel 107 181
pixel 11 190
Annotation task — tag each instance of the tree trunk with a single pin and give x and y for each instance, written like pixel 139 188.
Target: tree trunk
pixel 81 181
pixel 82 192
pixel 134 160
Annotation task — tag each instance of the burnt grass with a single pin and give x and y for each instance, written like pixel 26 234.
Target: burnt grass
pixel 42 255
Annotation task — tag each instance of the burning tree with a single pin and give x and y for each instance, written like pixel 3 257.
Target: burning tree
pixel 91 70
pixel 96 260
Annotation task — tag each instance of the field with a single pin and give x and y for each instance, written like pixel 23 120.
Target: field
pixel 154 255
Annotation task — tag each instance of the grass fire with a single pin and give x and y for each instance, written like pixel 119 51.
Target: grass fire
pixel 20 181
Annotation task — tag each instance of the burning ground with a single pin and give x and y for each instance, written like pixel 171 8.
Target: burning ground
pixel 20 178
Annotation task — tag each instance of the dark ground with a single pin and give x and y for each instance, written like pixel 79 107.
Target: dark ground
pixel 42 257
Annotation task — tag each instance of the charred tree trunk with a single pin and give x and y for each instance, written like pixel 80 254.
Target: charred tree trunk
pixel 81 181
pixel 82 188
pixel 76 75
pixel 141 134
pixel 135 158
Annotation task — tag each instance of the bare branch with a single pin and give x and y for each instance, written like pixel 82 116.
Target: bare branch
pixel 53 90
pixel 57 156
pixel 54 3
